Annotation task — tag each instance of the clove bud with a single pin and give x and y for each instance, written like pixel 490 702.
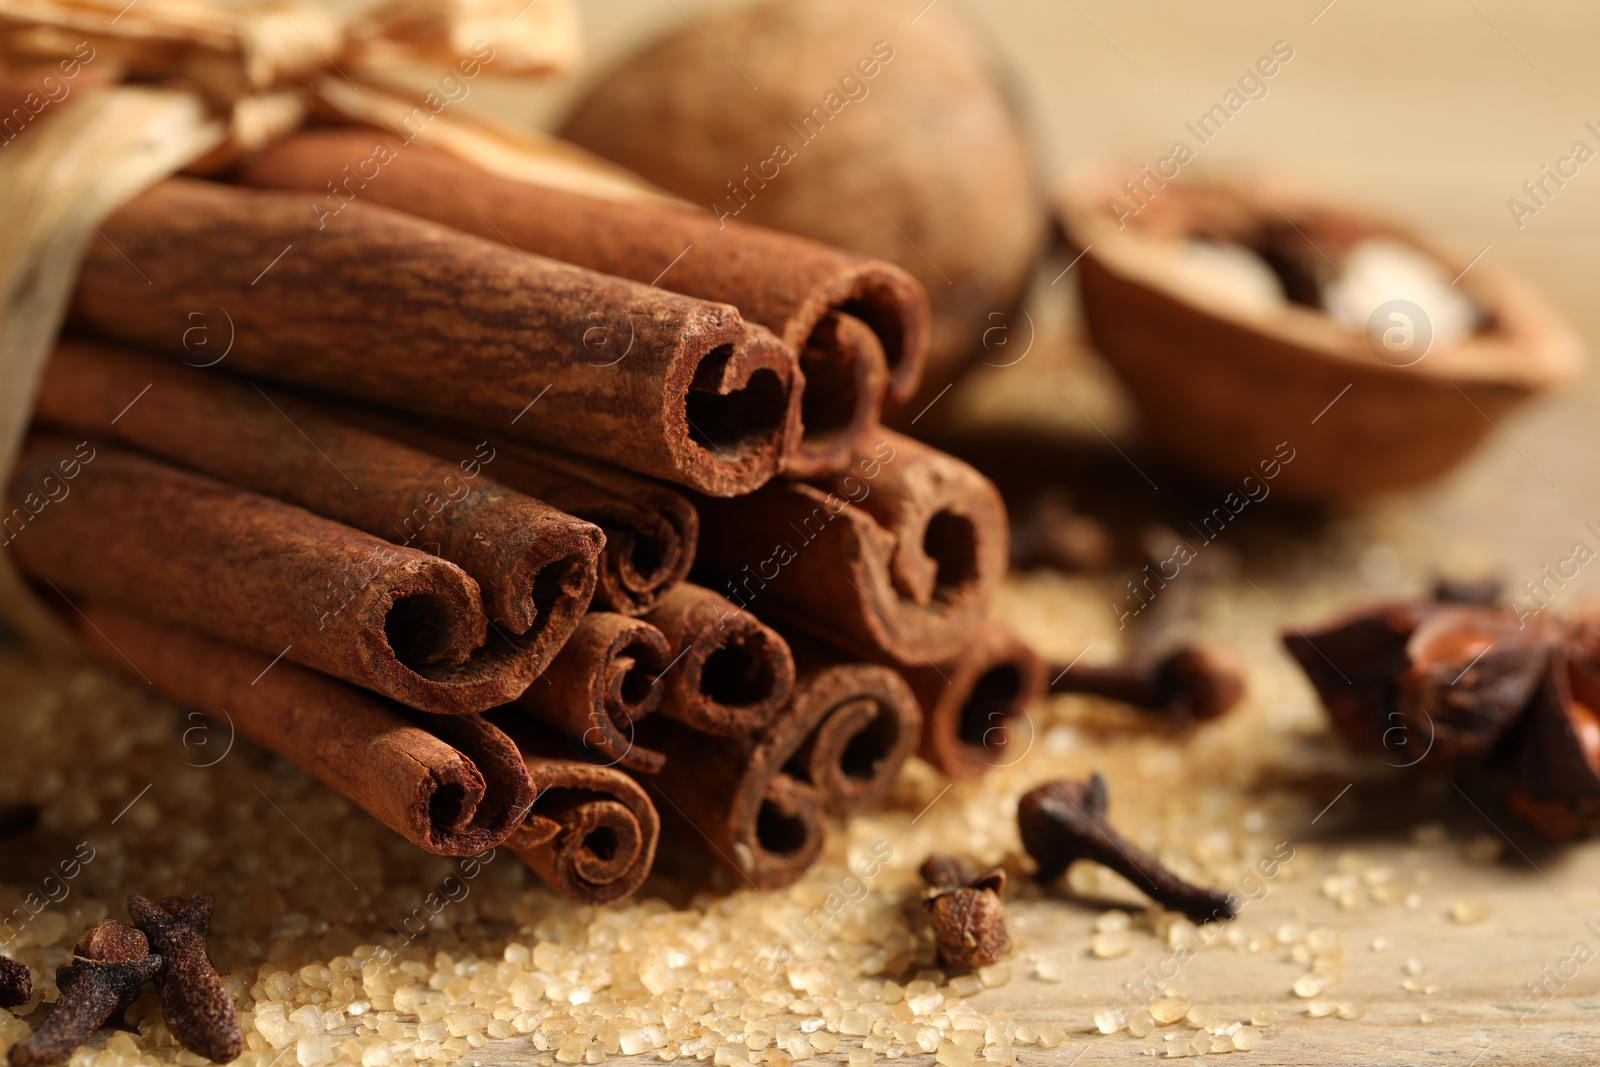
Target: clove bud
pixel 109 964
pixel 1065 821
pixel 195 1004
pixel 1192 684
pixel 969 922
pixel 16 983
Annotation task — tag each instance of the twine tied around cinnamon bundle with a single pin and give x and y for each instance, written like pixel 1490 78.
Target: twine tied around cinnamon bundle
pixel 102 99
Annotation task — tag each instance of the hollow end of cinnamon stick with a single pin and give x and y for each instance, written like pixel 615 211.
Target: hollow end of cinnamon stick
pixel 453 785
pixel 894 560
pixel 734 797
pixel 870 726
pixel 740 411
pixel 591 832
pixel 601 685
pixel 651 529
pixel 972 707
pixel 845 379
pixel 730 673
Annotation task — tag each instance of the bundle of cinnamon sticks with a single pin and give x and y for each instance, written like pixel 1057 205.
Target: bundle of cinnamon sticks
pixel 515 516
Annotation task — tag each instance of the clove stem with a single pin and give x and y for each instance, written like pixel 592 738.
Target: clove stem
pixel 1066 821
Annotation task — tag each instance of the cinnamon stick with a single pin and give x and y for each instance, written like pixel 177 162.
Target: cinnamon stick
pixel 651 529
pixel 970 706
pixel 98 522
pixel 736 797
pixel 454 785
pixel 868 725
pixel 728 674
pixel 391 309
pixel 534 564
pixel 591 832
pixel 894 561
pixel 789 284
pixel 605 680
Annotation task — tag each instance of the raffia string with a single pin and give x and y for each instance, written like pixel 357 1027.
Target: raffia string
pixel 189 84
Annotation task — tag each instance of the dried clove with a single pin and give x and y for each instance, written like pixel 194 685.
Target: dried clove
pixel 16 983
pixel 1191 684
pixel 194 1002
pixel 963 902
pixel 1065 821
pixel 109 964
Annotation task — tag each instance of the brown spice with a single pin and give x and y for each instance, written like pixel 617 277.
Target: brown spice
pixel 858 324
pixel 392 309
pixel 1425 679
pixel 894 561
pixel 1065 821
pixel 729 674
pixel 1193 683
pixel 969 921
pixel 109 964
pixel 870 724
pixel 151 538
pixel 16 983
pixel 535 565
pixel 197 1008
pixel 452 784
pixel 972 705
pixel 590 832
pixel 651 529
pixel 606 679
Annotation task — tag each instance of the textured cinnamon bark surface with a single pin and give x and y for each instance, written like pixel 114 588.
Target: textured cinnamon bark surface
pixel 971 705
pixel 606 678
pixel 788 284
pixel 384 307
pixel 452 784
pixel 591 832
pixel 535 565
pixel 736 797
pixel 651 529
pixel 729 674
pixel 868 725
pixel 894 560
pixel 110 525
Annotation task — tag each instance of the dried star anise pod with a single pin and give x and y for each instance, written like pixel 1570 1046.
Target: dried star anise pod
pixel 1425 679
pixel 1473 688
pixel 1556 767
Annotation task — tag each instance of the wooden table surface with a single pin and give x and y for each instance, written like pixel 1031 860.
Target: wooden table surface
pixel 1439 110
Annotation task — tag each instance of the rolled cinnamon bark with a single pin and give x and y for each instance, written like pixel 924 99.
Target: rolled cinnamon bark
pixel 534 564
pixel 604 681
pixel 788 284
pixel 454 785
pixel 388 308
pixel 736 798
pixel 894 561
pixel 970 705
pixel 105 524
pixel 651 529
pixel 591 832
pixel 869 724
pixel 729 674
